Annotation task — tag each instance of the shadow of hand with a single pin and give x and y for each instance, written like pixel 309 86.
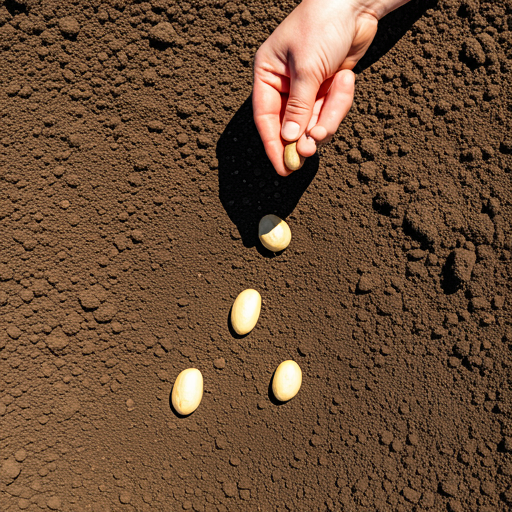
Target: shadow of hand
pixel 392 28
pixel 249 187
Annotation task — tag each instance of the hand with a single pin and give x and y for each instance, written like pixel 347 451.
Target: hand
pixel 303 83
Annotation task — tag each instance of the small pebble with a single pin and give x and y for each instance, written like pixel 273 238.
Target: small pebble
pixel 230 489
pixel 396 445
pixel 411 495
pixel 413 439
pixel 10 469
pixel 69 26
pixel 23 503
pixel 221 443
pixel 488 319
pixel 88 300
pixel 219 363
pixel 368 171
pixel 365 284
pixel 449 487
pixel 137 235
pixel 54 503
pixel 462 263
pixel 13 332
pixel 26 295
pixel 163 33
pixel 72 180
pixel 386 438
pixel 451 319
pixel 20 455
pixel 125 497
pixel 156 126
pixel 234 461
pixel 105 313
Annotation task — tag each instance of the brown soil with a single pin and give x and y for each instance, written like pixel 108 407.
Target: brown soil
pixel 131 183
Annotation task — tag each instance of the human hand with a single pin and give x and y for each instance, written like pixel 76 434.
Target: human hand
pixel 303 79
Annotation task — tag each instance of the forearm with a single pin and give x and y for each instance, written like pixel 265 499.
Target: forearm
pixel 376 8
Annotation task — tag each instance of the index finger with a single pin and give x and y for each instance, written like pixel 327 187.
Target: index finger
pixel 267 104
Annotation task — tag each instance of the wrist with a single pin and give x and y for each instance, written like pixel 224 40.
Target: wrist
pixel 378 8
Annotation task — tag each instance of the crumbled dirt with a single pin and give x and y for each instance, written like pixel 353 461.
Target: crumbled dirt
pixel 132 181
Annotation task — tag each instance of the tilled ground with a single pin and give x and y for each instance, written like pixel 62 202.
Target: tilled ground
pixel 132 181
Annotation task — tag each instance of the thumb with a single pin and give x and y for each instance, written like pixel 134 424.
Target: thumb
pixel 299 107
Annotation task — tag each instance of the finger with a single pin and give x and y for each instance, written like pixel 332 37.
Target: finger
pixel 299 108
pixel 335 107
pixel 306 145
pixel 267 105
pixel 324 88
pixel 316 113
pixel 320 98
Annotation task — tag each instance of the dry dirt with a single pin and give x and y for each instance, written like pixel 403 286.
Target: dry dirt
pixel 132 180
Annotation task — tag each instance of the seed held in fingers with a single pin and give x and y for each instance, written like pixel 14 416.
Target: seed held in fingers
pixel 292 159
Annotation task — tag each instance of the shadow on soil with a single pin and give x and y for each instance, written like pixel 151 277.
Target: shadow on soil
pixel 232 331
pixel 270 393
pixel 249 187
pixel 392 28
pixel 449 283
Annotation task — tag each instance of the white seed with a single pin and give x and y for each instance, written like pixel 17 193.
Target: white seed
pixel 187 391
pixel 292 159
pixel 246 311
pixel 287 381
pixel 274 233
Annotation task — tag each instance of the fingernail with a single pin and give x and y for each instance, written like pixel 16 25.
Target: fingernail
pixel 290 130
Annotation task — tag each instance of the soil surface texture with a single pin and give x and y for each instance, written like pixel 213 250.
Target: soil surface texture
pixel 132 181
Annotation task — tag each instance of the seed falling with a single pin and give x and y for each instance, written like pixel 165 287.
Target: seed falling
pixel 274 233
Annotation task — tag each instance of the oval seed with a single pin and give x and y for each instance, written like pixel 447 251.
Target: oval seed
pixel 246 311
pixel 274 233
pixel 187 391
pixel 287 381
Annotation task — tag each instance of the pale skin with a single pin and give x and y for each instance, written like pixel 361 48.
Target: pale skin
pixel 303 79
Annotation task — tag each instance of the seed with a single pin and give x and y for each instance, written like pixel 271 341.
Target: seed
pixel 292 159
pixel 274 233
pixel 187 391
pixel 245 311
pixel 287 381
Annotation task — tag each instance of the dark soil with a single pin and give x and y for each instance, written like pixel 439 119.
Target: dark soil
pixel 132 180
